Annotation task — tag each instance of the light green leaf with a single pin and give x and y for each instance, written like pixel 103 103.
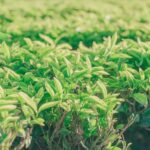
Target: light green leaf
pixel 7 107
pixel 38 121
pixel 58 86
pixel 2 93
pixel 114 40
pixel 88 62
pixel 142 75
pixel 49 89
pixel 80 73
pixel 28 41
pixel 99 102
pixel 120 55
pixel 5 50
pixel 40 93
pixel 141 98
pixel 8 102
pixel 65 106
pixel 87 111
pixel 48 40
pixel 69 66
pixel 12 73
pixel 48 105
pixel 102 88
pixel 29 101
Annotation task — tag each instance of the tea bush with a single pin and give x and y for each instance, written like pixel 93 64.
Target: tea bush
pixel 73 76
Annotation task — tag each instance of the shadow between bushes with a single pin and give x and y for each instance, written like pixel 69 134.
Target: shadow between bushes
pixel 75 38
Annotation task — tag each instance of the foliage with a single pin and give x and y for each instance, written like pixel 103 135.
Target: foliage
pixel 70 21
pixel 62 84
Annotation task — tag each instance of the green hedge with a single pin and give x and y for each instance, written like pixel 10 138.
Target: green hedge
pixel 73 75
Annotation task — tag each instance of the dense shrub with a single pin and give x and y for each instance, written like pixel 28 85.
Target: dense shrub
pixel 74 93
pixel 67 80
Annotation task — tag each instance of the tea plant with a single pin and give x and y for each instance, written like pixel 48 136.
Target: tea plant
pixel 68 80
pixel 76 93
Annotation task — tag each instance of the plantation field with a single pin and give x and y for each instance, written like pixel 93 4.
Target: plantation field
pixel 74 75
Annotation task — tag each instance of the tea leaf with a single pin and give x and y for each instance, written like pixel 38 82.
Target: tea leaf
pixel 141 98
pixel 26 99
pixel 58 86
pixel 49 89
pixel 103 88
pixel 7 107
pixel 5 50
pixel 48 105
